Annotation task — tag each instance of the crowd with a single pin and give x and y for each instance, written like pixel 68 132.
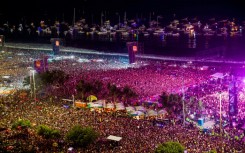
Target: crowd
pixel 137 135
pixel 147 78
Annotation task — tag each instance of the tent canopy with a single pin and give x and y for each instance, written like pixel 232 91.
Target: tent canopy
pixel 92 98
pixel 140 108
pixel 120 106
pixel 130 109
pixel 97 105
pixel 162 111
pixel 151 113
pixel 114 138
pixel 218 75
pixel 6 90
pixel 110 105
pixel 209 124
pixel 139 113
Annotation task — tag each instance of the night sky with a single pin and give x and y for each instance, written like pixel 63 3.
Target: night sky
pixel 54 9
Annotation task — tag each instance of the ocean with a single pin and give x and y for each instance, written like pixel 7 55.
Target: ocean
pixel 231 47
pixel 212 46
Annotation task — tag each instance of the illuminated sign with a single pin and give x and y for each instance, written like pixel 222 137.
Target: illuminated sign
pixel 57 43
pixel 38 63
pixel 135 48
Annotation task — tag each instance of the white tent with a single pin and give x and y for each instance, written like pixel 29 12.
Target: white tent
pixel 140 108
pixel 101 101
pixel 6 76
pixel 130 109
pixel 151 113
pixel 139 113
pixel 218 75
pixel 208 125
pixel 204 68
pixel 114 138
pixel 162 112
pixel 120 106
pixel 97 105
pixel 6 90
pixel 110 105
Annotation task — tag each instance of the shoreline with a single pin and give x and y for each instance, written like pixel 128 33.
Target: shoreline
pixel 46 47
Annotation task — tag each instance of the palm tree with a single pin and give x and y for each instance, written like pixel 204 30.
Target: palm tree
pixel 97 87
pixel 114 91
pixel 128 93
pixel 47 79
pixel 172 103
pixel 163 98
pixel 55 77
pixel 83 88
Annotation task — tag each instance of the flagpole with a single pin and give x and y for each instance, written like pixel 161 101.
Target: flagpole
pixel 34 84
pixel 30 84
pixel 125 17
pixel 183 100
pixel 220 110
pixel 101 19
pixel 150 19
pixel 74 18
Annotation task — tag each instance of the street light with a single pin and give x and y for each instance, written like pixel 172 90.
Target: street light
pixel 157 19
pixel 73 101
pixel 34 83
pixel 31 83
pixel 118 20
pixel 220 106
pixel 101 19
pixel 183 103
pixel 183 99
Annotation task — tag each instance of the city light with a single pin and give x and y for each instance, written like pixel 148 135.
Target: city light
pixel 57 43
pixel 135 48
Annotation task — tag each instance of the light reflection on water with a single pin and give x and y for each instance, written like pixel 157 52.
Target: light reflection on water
pixel 170 44
pixel 173 44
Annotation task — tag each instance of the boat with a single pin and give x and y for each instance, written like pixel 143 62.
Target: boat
pixel 158 32
pixel 175 34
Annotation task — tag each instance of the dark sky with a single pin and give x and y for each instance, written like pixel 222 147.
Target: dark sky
pixel 15 10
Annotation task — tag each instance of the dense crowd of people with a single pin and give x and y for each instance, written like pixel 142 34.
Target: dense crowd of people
pixel 137 135
pixel 147 78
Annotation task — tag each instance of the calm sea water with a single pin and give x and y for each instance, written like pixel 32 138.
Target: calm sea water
pixel 227 47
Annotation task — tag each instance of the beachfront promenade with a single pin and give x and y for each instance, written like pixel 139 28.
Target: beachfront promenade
pixel 48 47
